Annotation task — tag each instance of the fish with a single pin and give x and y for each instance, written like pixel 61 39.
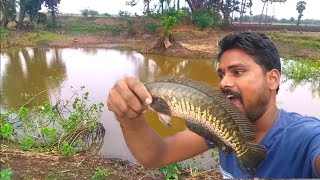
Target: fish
pixel 208 113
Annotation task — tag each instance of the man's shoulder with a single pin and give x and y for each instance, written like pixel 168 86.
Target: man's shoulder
pixel 292 119
pixel 296 123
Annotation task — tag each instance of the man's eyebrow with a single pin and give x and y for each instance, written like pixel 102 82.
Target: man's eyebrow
pixel 234 66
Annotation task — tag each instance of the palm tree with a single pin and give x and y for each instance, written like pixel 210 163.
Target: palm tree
pixel 301 6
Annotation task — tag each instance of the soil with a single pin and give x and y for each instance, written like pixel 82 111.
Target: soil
pixel 32 165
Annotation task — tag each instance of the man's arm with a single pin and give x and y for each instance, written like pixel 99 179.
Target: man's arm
pixel 128 100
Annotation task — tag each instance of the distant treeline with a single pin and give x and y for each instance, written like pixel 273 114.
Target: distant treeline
pixel 271 19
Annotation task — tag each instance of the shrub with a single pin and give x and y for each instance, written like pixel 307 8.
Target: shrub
pixel 167 24
pixel 3 33
pixel 202 19
pixel 151 27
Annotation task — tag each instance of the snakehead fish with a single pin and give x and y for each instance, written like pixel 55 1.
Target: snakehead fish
pixel 208 113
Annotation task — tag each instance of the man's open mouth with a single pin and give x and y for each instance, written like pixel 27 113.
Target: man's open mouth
pixel 234 97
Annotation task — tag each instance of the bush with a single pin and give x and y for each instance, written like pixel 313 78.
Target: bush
pixel 3 33
pixel 151 27
pixel 168 23
pixel 42 18
pixel 124 13
pixel 202 19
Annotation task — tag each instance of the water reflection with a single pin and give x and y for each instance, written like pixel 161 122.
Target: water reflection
pixel 29 71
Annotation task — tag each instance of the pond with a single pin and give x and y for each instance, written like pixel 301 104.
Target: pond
pixel 29 70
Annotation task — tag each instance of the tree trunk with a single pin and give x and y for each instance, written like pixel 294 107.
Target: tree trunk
pixel 4 21
pixel 53 16
pixel 264 4
pixel 22 13
pixel 243 6
pixel 162 7
pixel 299 17
pixel 265 18
pixel 178 4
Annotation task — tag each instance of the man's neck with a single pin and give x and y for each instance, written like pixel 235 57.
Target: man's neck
pixel 265 122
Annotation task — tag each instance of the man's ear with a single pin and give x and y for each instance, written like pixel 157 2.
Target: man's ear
pixel 273 77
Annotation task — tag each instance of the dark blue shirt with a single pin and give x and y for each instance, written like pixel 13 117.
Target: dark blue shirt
pixel 293 145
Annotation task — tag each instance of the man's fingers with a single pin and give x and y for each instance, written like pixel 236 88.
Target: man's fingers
pixel 139 89
pixel 118 105
pixel 130 97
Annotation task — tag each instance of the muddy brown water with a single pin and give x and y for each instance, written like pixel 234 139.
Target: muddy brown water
pixel 29 70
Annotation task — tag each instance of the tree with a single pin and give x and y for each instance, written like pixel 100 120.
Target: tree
pixel 200 4
pixel 84 12
pixel 146 5
pixel 226 7
pixel 33 7
pixel 301 6
pixel 52 6
pixel 8 11
pixel 266 2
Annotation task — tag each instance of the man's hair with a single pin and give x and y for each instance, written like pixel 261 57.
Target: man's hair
pixel 263 51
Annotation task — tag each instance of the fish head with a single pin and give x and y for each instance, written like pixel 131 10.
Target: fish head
pixel 160 106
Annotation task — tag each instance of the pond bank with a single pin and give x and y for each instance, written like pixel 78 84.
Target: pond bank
pixel 196 44
pixel 33 165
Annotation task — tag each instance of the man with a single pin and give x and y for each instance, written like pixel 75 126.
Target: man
pixel 249 68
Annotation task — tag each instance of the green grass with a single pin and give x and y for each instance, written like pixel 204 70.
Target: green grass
pixel 45 37
pixel 296 38
pixel 88 27
pixel 302 70
pixel 3 33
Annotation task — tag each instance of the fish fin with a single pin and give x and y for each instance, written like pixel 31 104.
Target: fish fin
pixel 205 132
pixel 245 126
pixel 164 119
pixel 160 105
pixel 250 160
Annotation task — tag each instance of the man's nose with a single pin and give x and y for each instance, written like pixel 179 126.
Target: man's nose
pixel 226 82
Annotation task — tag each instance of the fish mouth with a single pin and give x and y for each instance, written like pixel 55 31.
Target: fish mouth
pixel 233 96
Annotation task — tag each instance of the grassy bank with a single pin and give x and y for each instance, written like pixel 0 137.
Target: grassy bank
pixel 135 33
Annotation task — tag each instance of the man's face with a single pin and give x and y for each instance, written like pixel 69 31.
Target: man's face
pixel 244 82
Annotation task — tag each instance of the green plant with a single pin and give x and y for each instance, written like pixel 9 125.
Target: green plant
pixel 202 19
pixel 124 13
pixel 6 130
pixel 6 174
pixel 100 174
pixel 151 27
pixel 42 18
pixel 26 143
pixel 67 149
pixel 69 126
pixel 167 24
pixel 3 33
pixel 171 172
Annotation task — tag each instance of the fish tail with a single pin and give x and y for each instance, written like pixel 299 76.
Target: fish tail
pixel 251 159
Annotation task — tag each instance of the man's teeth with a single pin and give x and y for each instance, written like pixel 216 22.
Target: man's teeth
pixel 230 96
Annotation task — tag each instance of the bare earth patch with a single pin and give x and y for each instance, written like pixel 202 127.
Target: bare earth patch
pixel 32 165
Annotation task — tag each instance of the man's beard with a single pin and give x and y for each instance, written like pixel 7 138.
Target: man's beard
pixel 255 111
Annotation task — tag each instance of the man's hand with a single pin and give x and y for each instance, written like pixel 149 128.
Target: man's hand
pixel 128 99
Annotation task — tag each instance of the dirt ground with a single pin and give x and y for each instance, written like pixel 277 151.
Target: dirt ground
pixel 31 165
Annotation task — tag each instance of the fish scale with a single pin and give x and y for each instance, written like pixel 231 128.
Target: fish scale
pixel 209 114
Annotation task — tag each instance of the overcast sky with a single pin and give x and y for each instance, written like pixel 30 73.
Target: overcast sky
pixel 280 10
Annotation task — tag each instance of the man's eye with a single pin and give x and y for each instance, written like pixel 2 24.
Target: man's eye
pixel 238 72
pixel 220 76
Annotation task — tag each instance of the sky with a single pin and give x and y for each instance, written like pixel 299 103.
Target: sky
pixel 280 10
